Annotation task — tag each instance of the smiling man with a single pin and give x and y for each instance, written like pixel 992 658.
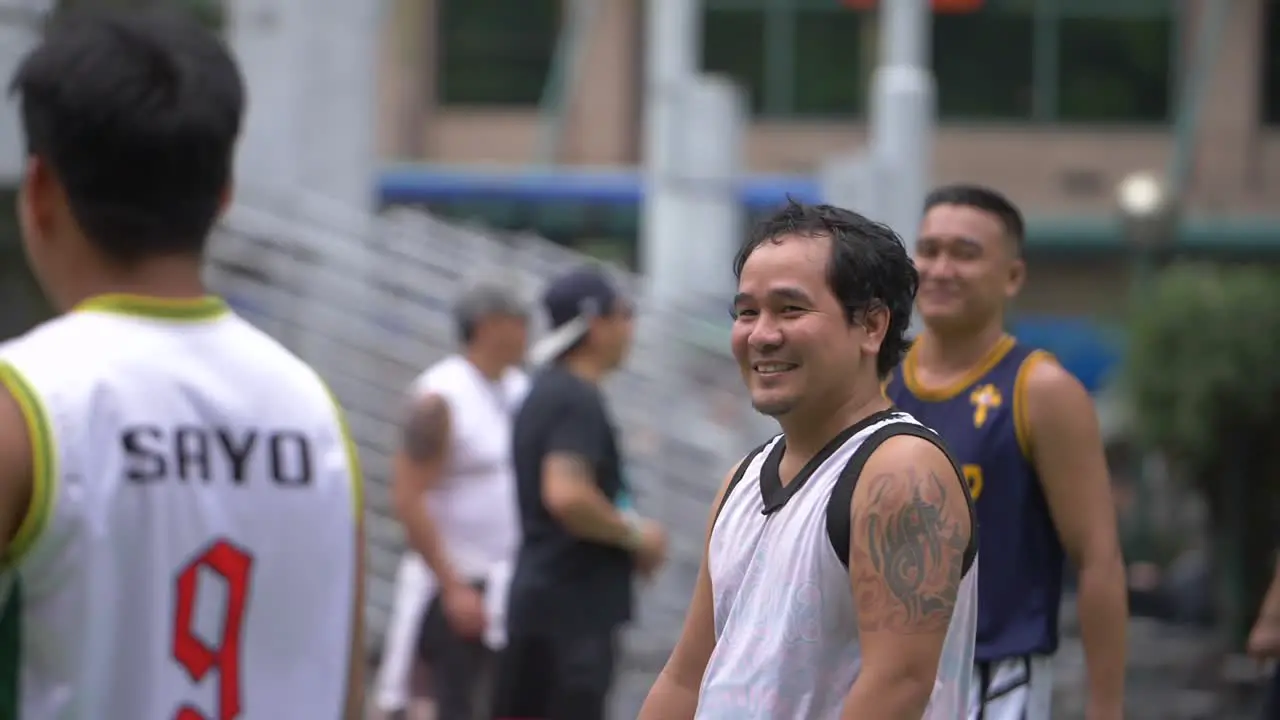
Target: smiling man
pixel 1027 435
pixel 839 580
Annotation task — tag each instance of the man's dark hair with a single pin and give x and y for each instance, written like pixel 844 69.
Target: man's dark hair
pixel 987 200
pixel 869 267
pixel 137 113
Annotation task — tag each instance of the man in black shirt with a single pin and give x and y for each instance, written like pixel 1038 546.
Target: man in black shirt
pixel 572 585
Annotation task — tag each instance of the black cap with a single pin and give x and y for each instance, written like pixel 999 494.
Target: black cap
pixel 571 302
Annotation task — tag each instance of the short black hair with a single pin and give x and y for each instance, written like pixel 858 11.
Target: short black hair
pixel 985 199
pixel 869 267
pixel 137 114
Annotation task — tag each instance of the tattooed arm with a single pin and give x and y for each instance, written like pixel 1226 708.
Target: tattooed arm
pixel 906 552
pixel 417 468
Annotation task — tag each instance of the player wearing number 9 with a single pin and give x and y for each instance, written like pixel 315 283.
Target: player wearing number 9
pixel 180 501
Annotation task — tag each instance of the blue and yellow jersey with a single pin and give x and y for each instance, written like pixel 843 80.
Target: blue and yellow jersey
pixel 982 418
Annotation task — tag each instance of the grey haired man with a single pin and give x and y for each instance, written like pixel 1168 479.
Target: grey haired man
pixel 453 490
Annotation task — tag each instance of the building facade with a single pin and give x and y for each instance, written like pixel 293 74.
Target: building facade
pixel 1055 100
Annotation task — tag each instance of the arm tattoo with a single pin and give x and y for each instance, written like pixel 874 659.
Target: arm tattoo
pixel 425 432
pixel 909 551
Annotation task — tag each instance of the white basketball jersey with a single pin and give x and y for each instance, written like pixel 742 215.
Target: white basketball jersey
pixel 785 618
pixel 190 550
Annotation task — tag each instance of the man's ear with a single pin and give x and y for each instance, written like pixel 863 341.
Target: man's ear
pixel 37 197
pixel 875 322
pixel 1017 276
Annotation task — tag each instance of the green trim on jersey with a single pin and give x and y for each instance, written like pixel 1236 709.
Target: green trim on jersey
pixel 44 464
pixel 199 309
pixel 11 652
pixel 353 454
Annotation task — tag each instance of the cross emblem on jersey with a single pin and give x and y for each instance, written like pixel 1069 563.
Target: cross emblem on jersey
pixel 984 398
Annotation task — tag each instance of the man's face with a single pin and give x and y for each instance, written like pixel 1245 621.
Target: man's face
pixel 613 332
pixel 510 337
pixel 792 340
pixel 968 267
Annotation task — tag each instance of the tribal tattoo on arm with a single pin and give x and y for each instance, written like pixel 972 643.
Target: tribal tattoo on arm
pixel 908 550
pixel 425 431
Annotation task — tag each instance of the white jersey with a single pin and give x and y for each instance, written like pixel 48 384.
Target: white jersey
pixel 475 504
pixel 190 548
pixel 785 618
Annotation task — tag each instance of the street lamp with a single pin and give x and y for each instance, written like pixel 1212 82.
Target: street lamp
pixel 1149 221
pixel 1149 216
pixel 1147 211
pixel 1140 193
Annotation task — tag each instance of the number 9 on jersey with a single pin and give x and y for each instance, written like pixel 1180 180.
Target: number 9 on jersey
pixel 234 565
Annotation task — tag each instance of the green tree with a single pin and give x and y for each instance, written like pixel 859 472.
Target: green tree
pixel 1204 372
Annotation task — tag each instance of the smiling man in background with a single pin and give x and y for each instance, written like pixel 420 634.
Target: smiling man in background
pixel 1026 434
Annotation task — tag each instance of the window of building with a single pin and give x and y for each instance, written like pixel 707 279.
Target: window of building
pixel 1115 69
pixel 794 58
pixel 733 43
pixel 834 54
pixel 495 52
pixel 983 63
pixel 1270 100
pixel 1043 60
pixel 212 13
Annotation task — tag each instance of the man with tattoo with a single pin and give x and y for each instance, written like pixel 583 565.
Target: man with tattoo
pixel 839 579
pixel 1027 437
pixel 452 488
pixel 582 543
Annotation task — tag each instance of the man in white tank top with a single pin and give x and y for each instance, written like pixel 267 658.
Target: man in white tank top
pixel 180 513
pixel 453 489
pixel 839 578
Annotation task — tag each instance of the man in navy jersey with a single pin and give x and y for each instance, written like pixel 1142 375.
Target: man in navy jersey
pixel 1026 434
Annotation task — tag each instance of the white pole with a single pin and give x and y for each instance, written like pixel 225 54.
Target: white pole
pixel 903 113
pixel 19 32
pixel 852 180
pixel 903 117
pixel 713 120
pixel 673 29
pixel 264 35
pixel 336 88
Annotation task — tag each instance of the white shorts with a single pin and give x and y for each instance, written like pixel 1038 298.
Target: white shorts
pixel 414 588
pixel 1019 688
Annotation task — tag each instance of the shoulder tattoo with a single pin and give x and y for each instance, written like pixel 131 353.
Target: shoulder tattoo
pixel 909 553
pixel 425 431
